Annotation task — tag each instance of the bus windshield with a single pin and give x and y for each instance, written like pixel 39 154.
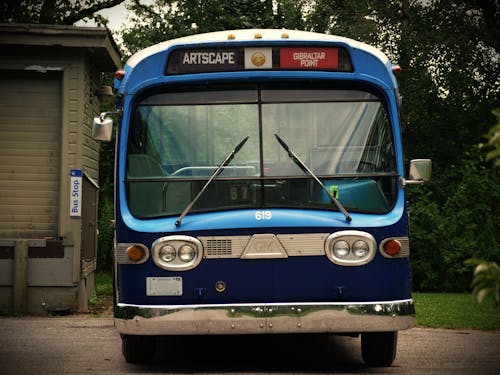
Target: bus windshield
pixel 178 138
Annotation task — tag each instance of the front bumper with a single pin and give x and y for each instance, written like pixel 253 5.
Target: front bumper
pixel 264 318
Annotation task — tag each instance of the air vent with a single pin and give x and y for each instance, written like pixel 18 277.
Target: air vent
pixel 219 247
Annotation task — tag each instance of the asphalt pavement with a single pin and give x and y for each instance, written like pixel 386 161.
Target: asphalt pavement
pixel 88 345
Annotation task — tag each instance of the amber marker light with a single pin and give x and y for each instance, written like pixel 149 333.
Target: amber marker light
pixel 392 247
pixel 135 253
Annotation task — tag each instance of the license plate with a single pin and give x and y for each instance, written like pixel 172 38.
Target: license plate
pixel 164 286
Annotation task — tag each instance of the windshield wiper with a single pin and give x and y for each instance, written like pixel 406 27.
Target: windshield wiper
pixel 219 169
pixel 304 168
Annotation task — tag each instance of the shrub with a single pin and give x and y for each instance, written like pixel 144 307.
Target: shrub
pixel 458 226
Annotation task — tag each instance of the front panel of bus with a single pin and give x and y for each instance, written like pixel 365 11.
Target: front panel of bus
pixel 260 188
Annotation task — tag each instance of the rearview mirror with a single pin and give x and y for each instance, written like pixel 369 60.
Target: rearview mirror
pixel 102 128
pixel 420 172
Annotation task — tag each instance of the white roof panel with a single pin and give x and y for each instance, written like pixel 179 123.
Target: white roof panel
pixel 250 35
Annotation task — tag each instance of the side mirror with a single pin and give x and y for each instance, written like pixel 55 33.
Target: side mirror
pixel 420 172
pixel 102 127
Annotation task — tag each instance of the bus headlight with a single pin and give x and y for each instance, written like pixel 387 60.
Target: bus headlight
pixel 177 253
pixel 350 247
pixel 360 249
pixel 187 253
pixel 167 253
pixel 341 249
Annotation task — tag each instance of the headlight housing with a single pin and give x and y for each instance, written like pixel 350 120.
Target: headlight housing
pixel 350 248
pixel 177 253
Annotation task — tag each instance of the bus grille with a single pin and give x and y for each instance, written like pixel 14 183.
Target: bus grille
pixel 219 247
pixel 293 244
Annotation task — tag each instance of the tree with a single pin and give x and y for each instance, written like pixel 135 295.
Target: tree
pixel 449 56
pixel 54 12
pixel 494 140
pixel 167 19
pixel 449 52
pixel 486 281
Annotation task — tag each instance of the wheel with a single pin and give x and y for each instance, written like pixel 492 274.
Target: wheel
pixel 379 348
pixel 138 349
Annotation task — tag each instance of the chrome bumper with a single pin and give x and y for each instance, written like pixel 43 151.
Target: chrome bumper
pixel 264 318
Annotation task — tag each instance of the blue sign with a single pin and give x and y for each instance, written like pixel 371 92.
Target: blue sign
pixel 75 193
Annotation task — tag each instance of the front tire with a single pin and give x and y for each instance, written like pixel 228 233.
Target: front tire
pixel 379 348
pixel 138 349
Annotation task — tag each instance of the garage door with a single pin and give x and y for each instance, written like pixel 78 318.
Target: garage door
pixel 30 139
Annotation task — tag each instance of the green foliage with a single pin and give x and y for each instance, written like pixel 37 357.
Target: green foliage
pixel 449 61
pixel 106 233
pixel 54 12
pixel 290 14
pixel 106 206
pixel 463 226
pixel 106 194
pixel 449 81
pixel 427 262
pixel 104 284
pixel 455 311
pixel 167 19
pixel 101 300
pixel 494 140
pixel 486 282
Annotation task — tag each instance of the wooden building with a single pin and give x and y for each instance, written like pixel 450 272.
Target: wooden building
pixel 49 163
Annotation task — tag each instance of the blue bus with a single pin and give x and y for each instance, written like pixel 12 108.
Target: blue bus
pixel 259 189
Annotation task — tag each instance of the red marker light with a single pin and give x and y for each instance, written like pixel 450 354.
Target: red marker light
pixel 119 74
pixel 396 69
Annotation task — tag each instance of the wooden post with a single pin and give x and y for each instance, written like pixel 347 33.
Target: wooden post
pixel 20 289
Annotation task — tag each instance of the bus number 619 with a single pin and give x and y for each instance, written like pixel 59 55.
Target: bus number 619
pixel 263 215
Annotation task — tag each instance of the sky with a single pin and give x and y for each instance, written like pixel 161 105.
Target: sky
pixel 117 16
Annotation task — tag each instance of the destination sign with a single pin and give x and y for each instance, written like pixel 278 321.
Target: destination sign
pixel 209 58
pixel 206 60
pixel 309 58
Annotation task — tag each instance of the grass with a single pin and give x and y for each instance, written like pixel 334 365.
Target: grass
pixel 455 311
pixel 103 284
pixel 438 310
pixel 101 301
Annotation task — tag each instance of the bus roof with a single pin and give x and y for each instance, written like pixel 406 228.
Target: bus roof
pixel 254 35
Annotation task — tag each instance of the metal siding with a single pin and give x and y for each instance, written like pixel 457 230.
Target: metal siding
pixel 30 138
